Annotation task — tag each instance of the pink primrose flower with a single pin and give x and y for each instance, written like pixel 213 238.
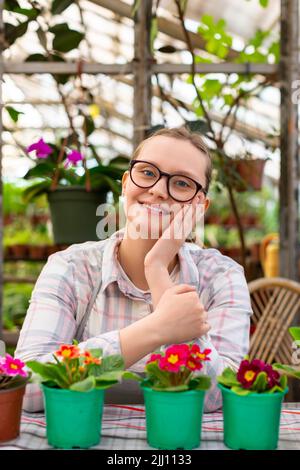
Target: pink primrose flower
pixel 13 366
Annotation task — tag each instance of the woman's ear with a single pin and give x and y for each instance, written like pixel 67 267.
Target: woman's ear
pixel 206 204
pixel 124 181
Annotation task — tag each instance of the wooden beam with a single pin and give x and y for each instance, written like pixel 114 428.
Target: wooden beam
pixel 222 67
pixel 67 67
pixel 142 72
pixel 289 166
pixel 129 68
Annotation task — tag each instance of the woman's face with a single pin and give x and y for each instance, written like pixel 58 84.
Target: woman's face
pixel 150 210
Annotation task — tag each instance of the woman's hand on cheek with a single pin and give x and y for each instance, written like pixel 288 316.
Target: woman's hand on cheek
pixel 172 238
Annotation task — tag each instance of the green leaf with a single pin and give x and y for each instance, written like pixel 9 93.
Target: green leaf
pixel 200 126
pixel 102 384
pixel 240 391
pixel 228 378
pixel 112 376
pixel 12 32
pixel 89 125
pixel 288 370
pixel 41 170
pixel 35 190
pixel 128 375
pixel 261 382
pixel 49 372
pixel 153 32
pixel 112 363
pixel 295 332
pixel 275 50
pixel 15 382
pixel 30 13
pixel 10 5
pixel 58 6
pixel 13 113
pixel 65 39
pixel 36 58
pixel 95 352
pixel 201 382
pixel 155 373
pixel 84 386
pixel 264 3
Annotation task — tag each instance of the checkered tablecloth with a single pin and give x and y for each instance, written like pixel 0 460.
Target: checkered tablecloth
pixel 123 427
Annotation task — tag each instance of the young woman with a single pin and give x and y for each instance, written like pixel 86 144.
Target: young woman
pixel 144 287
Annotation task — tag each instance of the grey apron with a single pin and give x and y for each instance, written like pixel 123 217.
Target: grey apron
pixel 129 391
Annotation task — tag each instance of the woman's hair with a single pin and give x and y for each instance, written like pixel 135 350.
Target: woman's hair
pixel 182 133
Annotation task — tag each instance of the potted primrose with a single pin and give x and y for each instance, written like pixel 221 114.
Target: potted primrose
pixel 173 382
pixel 252 399
pixel 73 388
pixel 13 380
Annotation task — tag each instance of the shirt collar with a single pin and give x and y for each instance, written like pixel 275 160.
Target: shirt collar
pixel 188 273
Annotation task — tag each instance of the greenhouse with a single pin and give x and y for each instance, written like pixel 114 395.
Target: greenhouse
pixel 150 223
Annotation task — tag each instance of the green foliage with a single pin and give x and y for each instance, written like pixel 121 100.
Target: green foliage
pixel 58 6
pixel 260 385
pixel 74 373
pixel 288 370
pixel 217 40
pixel 101 177
pixel 13 113
pixel 12 199
pixel 15 304
pixel 65 39
pixel 295 332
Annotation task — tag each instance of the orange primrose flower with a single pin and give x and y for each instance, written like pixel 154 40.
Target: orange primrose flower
pixel 89 359
pixel 68 352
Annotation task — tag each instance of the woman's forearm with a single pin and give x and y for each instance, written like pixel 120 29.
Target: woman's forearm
pixel 159 281
pixel 139 339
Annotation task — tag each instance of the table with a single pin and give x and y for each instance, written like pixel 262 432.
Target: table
pixel 123 428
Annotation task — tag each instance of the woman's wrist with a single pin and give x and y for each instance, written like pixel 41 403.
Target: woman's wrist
pixel 139 339
pixel 159 281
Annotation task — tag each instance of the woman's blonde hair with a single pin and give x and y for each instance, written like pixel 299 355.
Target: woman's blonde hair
pixel 183 133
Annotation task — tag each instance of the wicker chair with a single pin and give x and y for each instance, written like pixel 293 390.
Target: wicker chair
pixel 276 304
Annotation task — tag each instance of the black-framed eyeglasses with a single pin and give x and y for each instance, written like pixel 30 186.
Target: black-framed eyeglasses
pixel 181 188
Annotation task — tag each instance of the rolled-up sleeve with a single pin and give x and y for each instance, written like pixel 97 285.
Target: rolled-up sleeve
pixel 51 321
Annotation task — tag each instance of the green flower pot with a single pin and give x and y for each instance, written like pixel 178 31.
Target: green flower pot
pixel 173 419
pixel 73 419
pixel 73 214
pixel 251 422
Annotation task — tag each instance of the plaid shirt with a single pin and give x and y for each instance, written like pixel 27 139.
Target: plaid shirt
pixel 66 283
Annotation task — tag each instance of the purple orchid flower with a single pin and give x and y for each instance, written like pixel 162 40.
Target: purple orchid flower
pixel 42 149
pixel 73 158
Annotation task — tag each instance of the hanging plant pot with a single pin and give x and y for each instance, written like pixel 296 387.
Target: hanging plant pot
pixel 173 419
pixel 251 172
pixel 251 422
pixel 73 214
pixel 73 419
pixel 10 412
